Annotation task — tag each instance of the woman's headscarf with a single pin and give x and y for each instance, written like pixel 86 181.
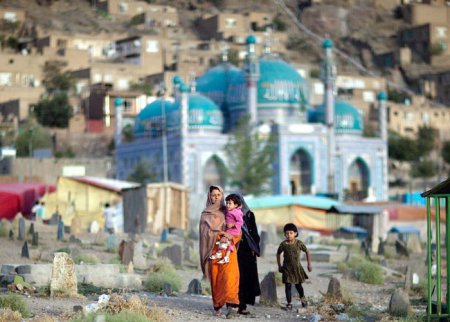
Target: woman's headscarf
pixel 252 241
pixel 212 222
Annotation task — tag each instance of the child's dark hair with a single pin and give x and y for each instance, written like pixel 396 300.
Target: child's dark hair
pixel 290 227
pixel 235 198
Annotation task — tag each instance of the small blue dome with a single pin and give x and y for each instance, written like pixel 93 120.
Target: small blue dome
pixel 382 96
pixel 347 118
pixel 250 40
pixel 184 88
pixel 327 43
pixel 118 101
pixel 203 113
pixel 176 80
pixel 152 112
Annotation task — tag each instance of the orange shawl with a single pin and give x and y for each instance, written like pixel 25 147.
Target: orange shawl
pixel 212 222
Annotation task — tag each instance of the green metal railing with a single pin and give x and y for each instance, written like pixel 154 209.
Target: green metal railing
pixel 437 312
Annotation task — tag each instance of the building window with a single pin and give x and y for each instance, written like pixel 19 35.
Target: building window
pixel 152 46
pixel 409 116
pixel 5 79
pixel 127 104
pixel 108 78
pixel 122 84
pixel 97 78
pixel 441 32
pixel 123 7
pixel 230 23
pixel 10 16
pixel 426 118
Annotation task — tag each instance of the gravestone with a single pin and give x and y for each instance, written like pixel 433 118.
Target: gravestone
pixel 187 246
pixel 269 290
pixel 164 235
pixel 167 288
pixel 94 227
pixel 76 226
pixel 413 245
pixel 334 289
pixel 139 259
pixel 35 239
pixel 31 230
pixel 381 247
pixel 400 248
pixel 21 229
pixel 195 287
pixel 55 219
pixel 64 279
pixel 11 234
pixel 130 268
pixel 25 251
pixel 153 251
pixel 100 238
pixel 399 304
pixel 174 254
pixel 112 243
pixel 60 232
pixel 74 240
pixel 263 242
pixel 126 252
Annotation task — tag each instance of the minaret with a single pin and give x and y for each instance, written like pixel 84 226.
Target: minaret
pixel 252 77
pixel 184 113
pixel 118 107
pixel 328 77
pixel 382 117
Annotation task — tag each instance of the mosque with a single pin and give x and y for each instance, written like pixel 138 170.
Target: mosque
pixel 319 149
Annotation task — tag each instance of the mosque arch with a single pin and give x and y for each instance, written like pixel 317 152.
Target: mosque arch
pixel 214 172
pixel 301 172
pixel 358 179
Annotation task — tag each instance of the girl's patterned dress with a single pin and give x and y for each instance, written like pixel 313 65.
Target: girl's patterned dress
pixel 292 269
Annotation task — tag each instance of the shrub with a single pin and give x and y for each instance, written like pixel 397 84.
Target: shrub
pixel 3 231
pixel 162 272
pixel 8 315
pixel 370 273
pixel 16 303
pixel 124 316
pixel 85 259
pixel 64 250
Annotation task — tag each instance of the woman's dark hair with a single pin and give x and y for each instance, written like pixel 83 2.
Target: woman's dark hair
pixel 290 227
pixel 212 188
pixel 235 198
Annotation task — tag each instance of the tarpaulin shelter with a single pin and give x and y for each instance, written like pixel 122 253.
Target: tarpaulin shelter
pixel 307 212
pixel 20 197
pixel 86 197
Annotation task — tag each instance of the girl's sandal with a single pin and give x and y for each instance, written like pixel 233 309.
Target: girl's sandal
pixel 289 307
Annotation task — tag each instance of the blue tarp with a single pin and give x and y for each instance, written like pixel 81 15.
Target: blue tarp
pixel 282 201
pixel 359 232
pixel 405 231
pixel 355 209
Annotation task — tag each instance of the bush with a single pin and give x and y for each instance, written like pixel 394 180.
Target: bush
pixel 162 272
pixel 16 303
pixel 85 259
pixel 3 231
pixel 370 273
pixel 8 315
pixel 124 316
pixel 64 250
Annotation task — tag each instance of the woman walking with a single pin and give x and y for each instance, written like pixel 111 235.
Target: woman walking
pixel 224 278
pixel 247 258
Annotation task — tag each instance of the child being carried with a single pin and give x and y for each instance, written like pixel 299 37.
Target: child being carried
pixel 234 221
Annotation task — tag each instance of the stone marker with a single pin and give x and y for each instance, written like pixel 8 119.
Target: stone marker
pixel 381 247
pixel 21 229
pixel 174 254
pixel 139 259
pixel 130 268
pixel 164 235
pixel 25 252
pixel 35 239
pixel 400 248
pixel 269 290
pixel 60 232
pixel 100 238
pixel 187 246
pixel 126 252
pixel 334 289
pixel 54 220
pixel 167 288
pixel 11 234
pixel 31 230
pixel 263 242
pixel 74 240
pixel 195 287
pixel 64 279
pixel 153 251
pixel 94 227
pixel 399 303
pixel 75 226
pixel 413 245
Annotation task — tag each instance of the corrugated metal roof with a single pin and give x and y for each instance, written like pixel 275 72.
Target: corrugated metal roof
pixel 353 230
pixel 355 209
pixel 283 201
pixel 108 184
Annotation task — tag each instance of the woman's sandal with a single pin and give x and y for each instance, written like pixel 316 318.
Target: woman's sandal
pixel 243 312
pixel 289 307
pixel 217 313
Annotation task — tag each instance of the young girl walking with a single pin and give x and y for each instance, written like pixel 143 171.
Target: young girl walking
pixel 292 270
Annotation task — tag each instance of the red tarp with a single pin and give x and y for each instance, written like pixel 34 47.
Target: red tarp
pixel 15 197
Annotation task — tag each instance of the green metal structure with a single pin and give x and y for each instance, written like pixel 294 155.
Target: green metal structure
pixel 437 196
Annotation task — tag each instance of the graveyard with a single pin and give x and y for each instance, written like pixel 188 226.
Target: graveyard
pixel 64 277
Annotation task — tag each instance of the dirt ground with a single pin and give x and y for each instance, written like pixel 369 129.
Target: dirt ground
pixel 186 307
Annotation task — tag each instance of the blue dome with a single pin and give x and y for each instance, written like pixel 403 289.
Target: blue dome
pixel 327 43
pixel 152 112
pixel 214 83
pixel 382 96
pixel 118 101
pixel 279 83
pixel 176 80
pixel 250 40
pixel 347 118
pixel 203 113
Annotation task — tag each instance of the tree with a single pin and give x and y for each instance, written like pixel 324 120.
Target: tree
pixel 423 169
pixel 55 79
pixel 426 139
pixel 446 151
pixel 401 148
pixel 54 111
pixel 32 133
pixel 140 174
pixel 250 156
pixel 144 87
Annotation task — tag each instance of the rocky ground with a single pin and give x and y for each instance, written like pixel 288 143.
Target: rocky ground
pixel 373 299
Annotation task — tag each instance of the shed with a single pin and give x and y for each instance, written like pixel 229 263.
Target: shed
pixel 405 231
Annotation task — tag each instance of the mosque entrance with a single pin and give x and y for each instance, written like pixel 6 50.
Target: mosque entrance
pixel 358 180
pixel 214 172
pixel 300 173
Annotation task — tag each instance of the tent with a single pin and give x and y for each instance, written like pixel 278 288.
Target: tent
pixel 307 212
pixel 20 197
pixel 405 231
